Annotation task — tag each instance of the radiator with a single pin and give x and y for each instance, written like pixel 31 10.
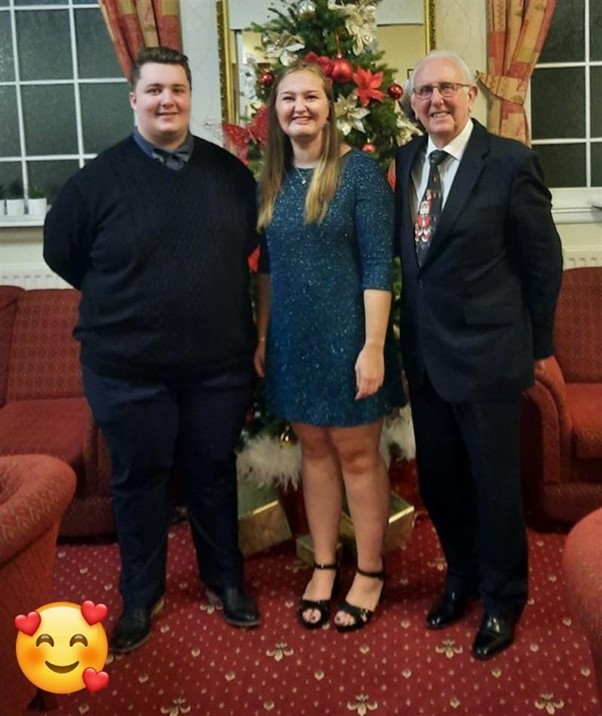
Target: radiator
pixel 30 276
pixel 40 276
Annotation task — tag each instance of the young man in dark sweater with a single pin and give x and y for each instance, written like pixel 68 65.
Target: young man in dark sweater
pixel 156 232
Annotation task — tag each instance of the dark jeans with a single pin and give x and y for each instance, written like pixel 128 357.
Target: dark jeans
pixel 152 428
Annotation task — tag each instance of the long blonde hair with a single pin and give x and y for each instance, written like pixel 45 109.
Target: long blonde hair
pixel 278 157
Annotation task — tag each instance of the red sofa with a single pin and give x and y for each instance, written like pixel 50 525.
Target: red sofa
pixel 582 571
pixel 34 493
pixel 562 413
pixel 42 406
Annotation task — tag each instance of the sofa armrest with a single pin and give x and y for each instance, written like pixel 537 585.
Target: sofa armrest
pixel 34 493
pixel 546 429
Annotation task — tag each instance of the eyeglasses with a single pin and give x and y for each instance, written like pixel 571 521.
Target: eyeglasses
pixel 446 89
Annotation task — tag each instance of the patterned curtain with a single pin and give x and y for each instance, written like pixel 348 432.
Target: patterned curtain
pixel 516 33
pixel 134 24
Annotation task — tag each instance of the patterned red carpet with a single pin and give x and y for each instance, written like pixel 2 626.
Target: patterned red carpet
pixel 196 664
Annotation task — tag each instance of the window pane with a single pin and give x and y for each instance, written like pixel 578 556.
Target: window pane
pixel 56 105
pixel 597 164
pixel 595 30
pixel 554 113
pixel 9 136
pixel 7 62
pixel 39 58
pixel 10 173
pixel 40 2
pixel 566 39
pixel 563 164
pixel 115 121
pixel 96 57
pixel 596 101
pixel 50 176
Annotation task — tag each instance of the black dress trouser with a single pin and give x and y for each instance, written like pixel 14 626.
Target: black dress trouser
pixel 189 424
pixel 468 462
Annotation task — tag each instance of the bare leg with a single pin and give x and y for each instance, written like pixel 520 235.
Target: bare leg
pixel 367 488
pixel 323 495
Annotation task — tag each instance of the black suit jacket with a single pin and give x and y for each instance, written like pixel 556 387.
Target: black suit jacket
pixel 481 308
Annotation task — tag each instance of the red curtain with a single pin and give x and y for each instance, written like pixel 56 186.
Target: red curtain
pixel 516 33
pixel 134 24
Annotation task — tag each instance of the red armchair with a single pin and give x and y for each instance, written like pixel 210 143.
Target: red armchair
pixel 34 493
pixel 42 406
pixel 562 413
pixel 582 571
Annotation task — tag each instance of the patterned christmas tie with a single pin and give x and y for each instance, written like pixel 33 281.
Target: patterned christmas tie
pixel 430 205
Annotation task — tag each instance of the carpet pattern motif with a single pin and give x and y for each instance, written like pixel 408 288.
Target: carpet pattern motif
pixel 196 664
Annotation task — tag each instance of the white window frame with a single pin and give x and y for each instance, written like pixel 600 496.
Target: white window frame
pixel 76 82
pixel 577 204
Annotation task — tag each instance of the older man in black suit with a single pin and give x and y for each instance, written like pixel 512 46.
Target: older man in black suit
pixel 482 266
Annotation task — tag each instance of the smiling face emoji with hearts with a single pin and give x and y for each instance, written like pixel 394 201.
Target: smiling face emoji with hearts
pixel 62 647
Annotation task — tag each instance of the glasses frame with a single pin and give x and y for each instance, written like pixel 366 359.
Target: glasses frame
pixel 451 90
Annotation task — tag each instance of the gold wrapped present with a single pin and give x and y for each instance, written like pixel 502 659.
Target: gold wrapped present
pixel 399 529
pixel 305 549
pixel 262 521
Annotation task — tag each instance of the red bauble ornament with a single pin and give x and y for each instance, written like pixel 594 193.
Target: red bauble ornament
pixel 395 91
pixel 342 70
pixel 267 79
pixel 369 147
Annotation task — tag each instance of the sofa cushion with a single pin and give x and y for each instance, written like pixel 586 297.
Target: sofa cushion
pixel 54 427
pixel 578 325
pixel 44 356
pixel 585 406
pixel 9 296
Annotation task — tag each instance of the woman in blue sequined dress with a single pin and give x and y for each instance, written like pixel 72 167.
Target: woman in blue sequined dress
pixel 324 341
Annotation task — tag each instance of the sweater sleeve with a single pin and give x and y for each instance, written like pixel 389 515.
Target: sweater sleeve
pixel 66 235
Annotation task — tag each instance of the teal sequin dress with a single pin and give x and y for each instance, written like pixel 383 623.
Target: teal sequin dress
pixel 318 275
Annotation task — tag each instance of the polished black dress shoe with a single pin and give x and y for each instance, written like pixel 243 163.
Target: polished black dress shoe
pixel 495 634
pixel 239 608
pixel 134 628
pixel 449 609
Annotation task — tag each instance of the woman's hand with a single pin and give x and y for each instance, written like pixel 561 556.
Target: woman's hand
pixel 369 370
pixel 259 358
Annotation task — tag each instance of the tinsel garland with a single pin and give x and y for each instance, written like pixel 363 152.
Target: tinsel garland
pixel 270 460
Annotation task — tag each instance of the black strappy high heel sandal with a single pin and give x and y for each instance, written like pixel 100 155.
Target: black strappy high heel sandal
pixel 360 615
pixel 320 605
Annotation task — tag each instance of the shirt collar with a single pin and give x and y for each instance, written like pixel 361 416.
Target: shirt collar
pixel 175 159
pixel 457 145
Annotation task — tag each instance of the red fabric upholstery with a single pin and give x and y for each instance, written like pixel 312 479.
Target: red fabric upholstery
pixel 34 492
pixel 44 357
pixel 9 296
pixel 42 405
pixel 582 568
pixel 58 425
pixel 562 412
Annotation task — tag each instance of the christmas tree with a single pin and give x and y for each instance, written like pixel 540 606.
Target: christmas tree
pixel 341 38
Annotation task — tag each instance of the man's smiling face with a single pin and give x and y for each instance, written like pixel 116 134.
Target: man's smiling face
pixel 442 118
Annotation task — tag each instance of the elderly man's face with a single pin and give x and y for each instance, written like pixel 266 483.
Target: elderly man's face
pixel 442 118
pixel 161 101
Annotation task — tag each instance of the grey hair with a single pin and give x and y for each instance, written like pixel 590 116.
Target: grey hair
pixel 468 75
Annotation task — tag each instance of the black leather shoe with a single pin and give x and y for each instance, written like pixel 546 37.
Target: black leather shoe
pixel 134 628
pixel 239 608
pixel 449 609
pixel 495 634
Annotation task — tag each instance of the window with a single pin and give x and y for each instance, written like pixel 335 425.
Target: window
pixel 566 106
pixel 63 97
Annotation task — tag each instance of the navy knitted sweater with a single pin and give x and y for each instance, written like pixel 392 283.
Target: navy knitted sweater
pixel 161 260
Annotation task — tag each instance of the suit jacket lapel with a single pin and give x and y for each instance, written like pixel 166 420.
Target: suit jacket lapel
pixel 469 171
pixel 406 190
